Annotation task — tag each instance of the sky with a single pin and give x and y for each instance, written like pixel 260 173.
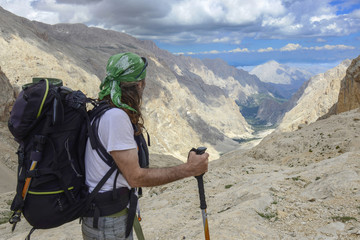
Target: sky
pixel 313 34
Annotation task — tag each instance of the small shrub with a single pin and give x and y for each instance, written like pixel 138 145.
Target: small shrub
pixel 267 216
pixel 343 218
pixel 228 186
pixel 296 178
pixel 310 150
pixel 317 178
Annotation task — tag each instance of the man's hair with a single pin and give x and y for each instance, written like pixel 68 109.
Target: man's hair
pixel 133 98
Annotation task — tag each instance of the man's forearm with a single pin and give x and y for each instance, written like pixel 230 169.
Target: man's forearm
pixel 149 177
pixel 128 164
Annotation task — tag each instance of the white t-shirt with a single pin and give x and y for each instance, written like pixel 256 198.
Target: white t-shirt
pixel 115 133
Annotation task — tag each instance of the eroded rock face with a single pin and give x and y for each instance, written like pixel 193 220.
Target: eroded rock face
pixel 349 95
pixel 7 97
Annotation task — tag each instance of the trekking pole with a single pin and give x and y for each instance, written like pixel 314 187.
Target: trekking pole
pixel 35 157
pixel 15 218
pixel 200 151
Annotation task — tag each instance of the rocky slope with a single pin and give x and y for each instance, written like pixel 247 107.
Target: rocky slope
pixel 277 190
pixel 320 94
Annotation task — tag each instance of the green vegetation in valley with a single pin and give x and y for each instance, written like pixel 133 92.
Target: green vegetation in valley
pixel 250 109
pixel 244 140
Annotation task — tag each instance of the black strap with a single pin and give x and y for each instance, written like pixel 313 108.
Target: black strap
pixel 101 183
pixel 114 185
pixel 132 212
pixel 95 191
pixel 96 144
pixel 28 236
pixel 96 217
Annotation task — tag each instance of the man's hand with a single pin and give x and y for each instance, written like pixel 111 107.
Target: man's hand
pixel 197 164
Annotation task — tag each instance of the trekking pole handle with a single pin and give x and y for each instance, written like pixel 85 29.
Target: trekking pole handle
pixel 200 151
pixel 201 191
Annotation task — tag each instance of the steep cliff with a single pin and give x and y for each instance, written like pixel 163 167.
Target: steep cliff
pixel 349 96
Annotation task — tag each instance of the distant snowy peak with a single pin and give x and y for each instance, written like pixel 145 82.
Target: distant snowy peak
pixel 274 72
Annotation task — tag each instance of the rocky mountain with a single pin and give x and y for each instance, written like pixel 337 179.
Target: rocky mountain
pixel 315 98
pixel 188 102
pixel 349 96
pixel 283 79
pixel 275 72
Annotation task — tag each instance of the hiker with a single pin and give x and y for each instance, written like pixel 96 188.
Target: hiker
pixel 120 131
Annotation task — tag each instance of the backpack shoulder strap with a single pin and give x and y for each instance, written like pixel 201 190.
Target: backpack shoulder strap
pixel 94 120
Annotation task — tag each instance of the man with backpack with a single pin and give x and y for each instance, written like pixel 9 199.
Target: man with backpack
pixel 119 129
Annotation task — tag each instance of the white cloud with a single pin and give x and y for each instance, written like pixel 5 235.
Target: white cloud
pixel 355 13
pixel 291 47
pixel 223 11
pixel 331 47
pixel 237 50
pixel 212 52
pixel 221 40
pixel 294 47
pixel 201 21
pixel 25 9
pixel 320 40
pixel 269 49
pixel 287 48
pixel 322 17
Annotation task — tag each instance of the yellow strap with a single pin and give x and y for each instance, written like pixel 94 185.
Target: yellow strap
pixel 46 193
pixel 119 214
pixel 138 229
pixel 137 226
pixel 44 98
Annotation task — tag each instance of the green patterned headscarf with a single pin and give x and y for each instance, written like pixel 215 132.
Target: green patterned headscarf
pixel 122 67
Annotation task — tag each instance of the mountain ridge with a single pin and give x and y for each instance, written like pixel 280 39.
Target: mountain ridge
pixel 77 54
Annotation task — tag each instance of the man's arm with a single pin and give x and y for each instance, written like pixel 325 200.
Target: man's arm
pixel 127 162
